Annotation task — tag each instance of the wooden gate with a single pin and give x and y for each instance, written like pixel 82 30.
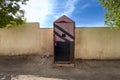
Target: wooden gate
pixel 64 40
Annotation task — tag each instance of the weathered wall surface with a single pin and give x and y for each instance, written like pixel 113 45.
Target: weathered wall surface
pixel 97 43
pixel 90 43
pixel 19 40
pixel 46 41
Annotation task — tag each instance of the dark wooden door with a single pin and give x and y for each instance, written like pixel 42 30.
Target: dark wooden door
pixel 62 51
pixel 64 39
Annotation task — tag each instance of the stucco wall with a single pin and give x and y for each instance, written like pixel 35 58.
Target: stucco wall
pixel 90 43
pixel 97 43
pixel 19 40
pixel 46 41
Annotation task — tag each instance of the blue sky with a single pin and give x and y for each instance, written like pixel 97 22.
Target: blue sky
pixel 86 13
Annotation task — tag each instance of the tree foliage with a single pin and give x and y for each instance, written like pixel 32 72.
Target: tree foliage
pixel 10 12
pixel 112 12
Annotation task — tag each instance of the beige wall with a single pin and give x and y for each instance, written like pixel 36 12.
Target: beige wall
pixel 90 43
pixel 46 41
pixel 97 43
pixel 19 40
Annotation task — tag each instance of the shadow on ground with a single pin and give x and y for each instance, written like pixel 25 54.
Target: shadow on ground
pixel 43 66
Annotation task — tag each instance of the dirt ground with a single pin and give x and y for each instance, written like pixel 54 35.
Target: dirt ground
pixel 29 67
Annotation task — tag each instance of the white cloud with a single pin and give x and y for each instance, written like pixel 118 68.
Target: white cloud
pixel 43 10
pixel 68 6
pixel 37 10
pixel 85 6
pixel 46 11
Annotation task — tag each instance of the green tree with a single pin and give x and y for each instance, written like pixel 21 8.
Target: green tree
pixel 112 12
pixel 10 12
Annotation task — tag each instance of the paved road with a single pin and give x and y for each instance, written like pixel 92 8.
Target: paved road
pixel 13 67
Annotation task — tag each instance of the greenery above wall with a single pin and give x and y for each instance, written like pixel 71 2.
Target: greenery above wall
pixel 112 15
pixel 10 12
